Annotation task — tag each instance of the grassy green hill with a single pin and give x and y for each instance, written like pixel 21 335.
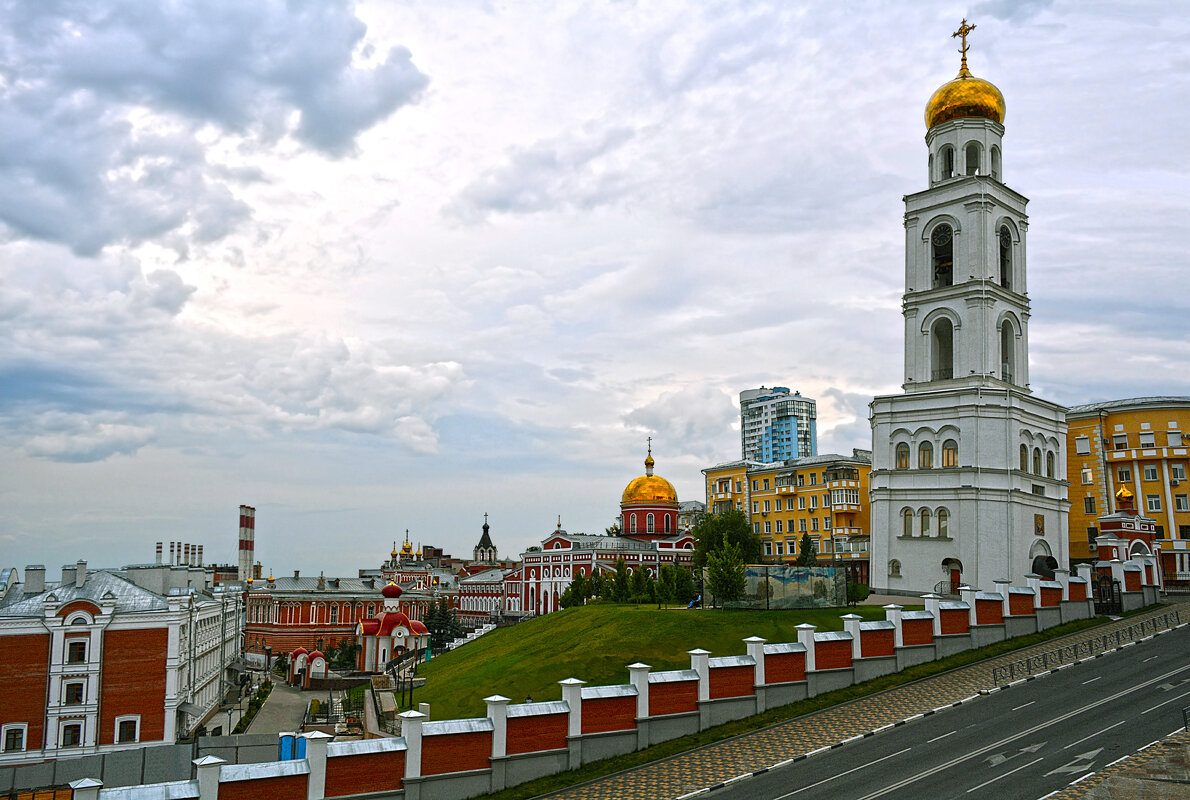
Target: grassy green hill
pixel 596 643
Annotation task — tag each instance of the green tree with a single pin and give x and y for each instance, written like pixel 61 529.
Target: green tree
pixel 666 584
pixel 639 585
pixel 725 573
pixel 443 625
pixel 580 587
pixel 684 590
pixel 620 582
pixel 808 557
pixel 714 532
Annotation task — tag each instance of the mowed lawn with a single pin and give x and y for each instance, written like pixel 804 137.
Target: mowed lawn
pixel 596 643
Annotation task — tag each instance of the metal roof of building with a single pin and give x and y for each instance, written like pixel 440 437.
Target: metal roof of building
pixel 1129 404
pixel 100 587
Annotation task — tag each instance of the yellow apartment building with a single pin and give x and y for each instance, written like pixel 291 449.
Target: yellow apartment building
pixel 1140 443
pixel 825 496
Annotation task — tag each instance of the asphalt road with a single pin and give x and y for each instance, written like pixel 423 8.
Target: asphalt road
pixel 1018 744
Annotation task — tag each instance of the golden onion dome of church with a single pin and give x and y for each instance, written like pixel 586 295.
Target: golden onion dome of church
pixel 966 96
pixel 649 488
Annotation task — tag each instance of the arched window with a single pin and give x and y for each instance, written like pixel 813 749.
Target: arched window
pixel 1036 460
pixel 971 155
pixel 894 568
pixel 942 345
pixel 995 162
pixel 925 455
pixel 634 523
pixel 1007 352
pixel 907 522
pixel 946 155
pixel 942 242
pixel 1005 257
pixel 1024 458
pixel 950 453
pixel 1049 465
pixel 943 523
pixel 902 456
pixel 925 522
pixel 668 524
pixel 649 523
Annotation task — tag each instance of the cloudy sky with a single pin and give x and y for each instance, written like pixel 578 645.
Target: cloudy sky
pixel 379 266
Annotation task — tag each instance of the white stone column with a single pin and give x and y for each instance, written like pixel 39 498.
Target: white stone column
pixel 85 789
pixel 498 714
pixel 1062 576
pixel 934 606
pixel 638 676
pixel 1034 582
pixel 1117 572
pixel 700 663
pixel 411 722
pixel 316 742
pixel 755 648
pixel 805 636
pixel 1085 571
pixel 208 776
pixel 572 695
pixel 851 625
pixel 892 613
pixel 1002 585
pixel 968 594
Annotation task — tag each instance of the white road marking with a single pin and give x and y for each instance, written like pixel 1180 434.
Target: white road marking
pixel 841 774
pixel 943 736
pixel 1005 775
pixel 1026 705
pixel 1163 702
pixel 1096 733
pixel 1147 660
pixel 1097 677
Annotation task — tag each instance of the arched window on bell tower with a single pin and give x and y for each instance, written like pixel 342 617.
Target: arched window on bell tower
pixel 1005 257
pixel 942 246
pixel 995 162
pixel 1007 352
pixel 942 350
pixel 946 163
pixel 971 156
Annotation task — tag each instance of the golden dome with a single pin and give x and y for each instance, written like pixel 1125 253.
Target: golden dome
pixel 649 489
pixel 965 97
pixel 1123 493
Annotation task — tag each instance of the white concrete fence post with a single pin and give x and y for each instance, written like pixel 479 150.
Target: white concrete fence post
pixel 411 722
pixel 851 625
pixel 934 606
pixel 572 695
pixel 316 742
pixel 892 613
pixel 638 676
pixel 498 714
pixel 755 648
pixel 1002 585
pixel 208 776
pixel 968 594
pixel 805 636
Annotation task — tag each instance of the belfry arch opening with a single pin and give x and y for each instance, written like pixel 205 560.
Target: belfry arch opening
pixel 1005 237
pixel 1007 352
pixel 942 247
pixel 942 350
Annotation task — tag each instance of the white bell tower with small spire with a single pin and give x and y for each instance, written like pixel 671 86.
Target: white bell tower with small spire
pixel 968 467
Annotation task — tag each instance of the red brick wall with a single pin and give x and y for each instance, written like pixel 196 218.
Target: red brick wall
pixel 1132 581
pixel 133 681
pixel 371 772
pixel 1078 591
pixel 731 681
pixel 673 698
pixel 917 631
pixel 1020 605
pixel 532 734
pixel 833 654
pixel 989 612
pixel 79 605
pixel 955 620
pixel 287 787
pixel 455 752
pixel 1051 597
pixel 877 643
pixel 785 667
pixel 25 661
pixel 609 714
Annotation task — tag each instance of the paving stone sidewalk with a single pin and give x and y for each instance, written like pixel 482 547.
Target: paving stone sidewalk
pixel 714 763
pixel 1158 772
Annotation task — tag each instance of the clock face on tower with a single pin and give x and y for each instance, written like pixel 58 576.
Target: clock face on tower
pixel 941 236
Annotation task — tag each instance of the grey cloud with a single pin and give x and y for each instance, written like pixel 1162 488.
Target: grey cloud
pixel 562 173
pixel 695 420
pixel 81 438
pixel 100 105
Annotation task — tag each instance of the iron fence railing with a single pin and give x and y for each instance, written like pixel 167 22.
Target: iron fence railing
pixel 1069 653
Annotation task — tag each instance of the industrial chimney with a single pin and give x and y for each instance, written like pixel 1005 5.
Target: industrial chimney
pixel 247 542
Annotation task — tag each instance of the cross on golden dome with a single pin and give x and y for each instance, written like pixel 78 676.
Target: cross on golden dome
pixel 963 30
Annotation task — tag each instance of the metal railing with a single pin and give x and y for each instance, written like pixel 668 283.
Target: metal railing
pixel 1067 654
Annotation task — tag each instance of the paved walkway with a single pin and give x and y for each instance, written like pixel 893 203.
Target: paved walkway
pixel 282 711
pixel 1155 773
pixel 712 764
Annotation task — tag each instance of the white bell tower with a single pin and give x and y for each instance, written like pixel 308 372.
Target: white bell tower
pixel 968 468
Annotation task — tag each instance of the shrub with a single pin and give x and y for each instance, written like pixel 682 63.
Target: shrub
pixel 857 592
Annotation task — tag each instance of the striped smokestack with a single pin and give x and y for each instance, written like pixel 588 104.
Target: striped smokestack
pixel 159 552
pixel 186 557
pixel 200 555
pixel 171 554
pixel 247 542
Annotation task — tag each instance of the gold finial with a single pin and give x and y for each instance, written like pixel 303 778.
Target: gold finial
pixel 649 458
pixel 963 30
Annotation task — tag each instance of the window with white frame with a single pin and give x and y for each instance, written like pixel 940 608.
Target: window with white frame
pixel 128 728
pixel 768 548
pixel 801 525
pixel 71 735
pixel 1089 505
pixel 813 502
pixel 756 527
pixel 780 526
pixel 813 523
pixel 767 506
pixel 1177 472
pixel 755 506
pixel 1148 439
pixel 777 505
pixel 1088 475
pixel 1175 438
pixel 13 736
pixel 76 651
pixel 826 523
pixel 801 504
pixel 1124 474
pixel 1082 445
pixel 1181 502
pixel 768 526
pixel 1150 472
pixel 73 693
pixel 1153 502
pixel 1120 441
pixel 781 548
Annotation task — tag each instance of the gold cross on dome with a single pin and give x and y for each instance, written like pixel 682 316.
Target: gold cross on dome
pixel 963 30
